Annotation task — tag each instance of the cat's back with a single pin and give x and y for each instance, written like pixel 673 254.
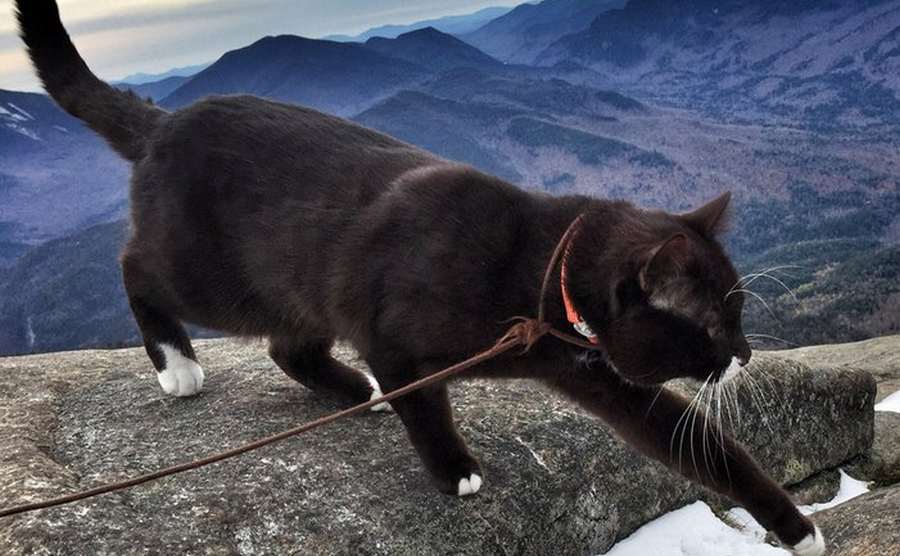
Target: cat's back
pixel 240 154
pixel 256 126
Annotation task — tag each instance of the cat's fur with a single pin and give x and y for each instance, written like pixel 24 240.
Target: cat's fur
pixel 264 219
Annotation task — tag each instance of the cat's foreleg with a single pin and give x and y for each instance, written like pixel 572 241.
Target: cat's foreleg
pixel 663 425
pixel 428 418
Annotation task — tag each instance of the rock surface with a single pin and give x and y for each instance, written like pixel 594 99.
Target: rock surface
pixel 864 526
pixel 557 482
pixel 879 356
pixel 881 463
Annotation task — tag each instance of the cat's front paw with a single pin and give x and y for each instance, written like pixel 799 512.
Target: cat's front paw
pixel 469 485
pixel 811 545
pixel 182 376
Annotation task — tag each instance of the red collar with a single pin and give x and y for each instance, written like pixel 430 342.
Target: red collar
pixel 572 315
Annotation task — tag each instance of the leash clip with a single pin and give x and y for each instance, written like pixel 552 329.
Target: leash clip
pixel 582 328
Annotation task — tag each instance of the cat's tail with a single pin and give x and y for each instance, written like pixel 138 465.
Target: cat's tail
pixel 120 117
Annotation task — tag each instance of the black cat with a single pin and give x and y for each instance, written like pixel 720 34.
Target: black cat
pixel 265 219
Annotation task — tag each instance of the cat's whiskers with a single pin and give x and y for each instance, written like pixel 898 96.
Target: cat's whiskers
pixel 769 381
pixel 720 391
pixel 759 398
pixel 707 452
pixel 755 336
pixel 757 296
pixel 653 402
pixel 766 273
pixel 733 398
pixel 751 391
pixel 789 291
pixel 761 273
pixel 698 400
pixel 682 420
pixel 675 433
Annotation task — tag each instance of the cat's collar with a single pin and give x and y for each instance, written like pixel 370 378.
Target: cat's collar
pixel 572 315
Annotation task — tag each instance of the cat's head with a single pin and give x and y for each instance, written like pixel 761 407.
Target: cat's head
pixel 672 307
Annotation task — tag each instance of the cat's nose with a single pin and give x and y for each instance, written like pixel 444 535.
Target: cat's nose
pixel 742 361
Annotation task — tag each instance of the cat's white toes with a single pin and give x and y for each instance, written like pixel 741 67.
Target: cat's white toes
pixel 811 545
pixel 470 485
pixel 182 376
pixel 377 393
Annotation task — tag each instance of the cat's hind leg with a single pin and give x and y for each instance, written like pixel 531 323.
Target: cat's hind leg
pixel 165 339
pixel 310 363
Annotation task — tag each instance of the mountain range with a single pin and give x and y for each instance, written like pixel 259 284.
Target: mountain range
pixel 834 63
pixel 453 25
pixel 661 103
pixel 142 78
pixel 522 34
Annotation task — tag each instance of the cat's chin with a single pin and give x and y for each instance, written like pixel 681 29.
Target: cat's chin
pixel 731 372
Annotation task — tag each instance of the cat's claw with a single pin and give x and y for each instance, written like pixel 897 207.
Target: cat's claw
pixel 377 393
pixel 182 376
pixel 469 486
pixel 811 545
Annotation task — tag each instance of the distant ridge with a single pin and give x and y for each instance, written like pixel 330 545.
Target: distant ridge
pixel 523 33
pixel 343 78
pixel 323 74
pixel 454 24
pixel 429 47
pixel 141 78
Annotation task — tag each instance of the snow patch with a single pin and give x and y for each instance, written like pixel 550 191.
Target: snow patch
pixel 890 403
pixel 20 111
pixel 850 489
pixel 694 530
pixel 5 112
pixel 60 128
pixel 23 131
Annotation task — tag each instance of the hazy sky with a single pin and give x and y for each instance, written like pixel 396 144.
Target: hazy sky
pixel 121 37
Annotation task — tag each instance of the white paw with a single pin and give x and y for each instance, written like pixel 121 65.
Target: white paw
pixel 812 545
pixel 469 486
pixel 733 370
pixel 182 376
pixel 376 393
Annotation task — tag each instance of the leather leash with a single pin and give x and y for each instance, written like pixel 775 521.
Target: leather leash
pixel 525 332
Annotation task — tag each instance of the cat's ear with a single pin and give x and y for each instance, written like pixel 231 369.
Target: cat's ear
pixel 712 218
pixel 665 260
